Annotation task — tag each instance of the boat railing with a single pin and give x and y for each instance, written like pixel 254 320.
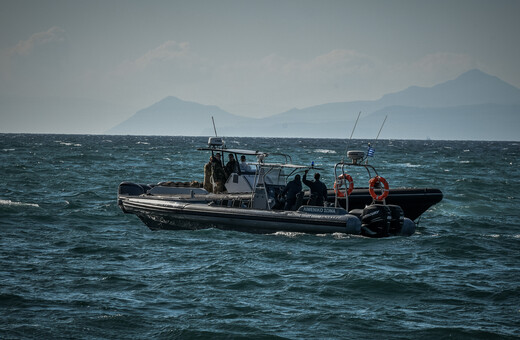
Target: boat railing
pixel 263 180
pixel 339 170
pixel 272 178
pixel 288 159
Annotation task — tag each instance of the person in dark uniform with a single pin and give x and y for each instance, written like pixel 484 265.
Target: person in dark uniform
pixel 318 189
pixel 207 175
pixel 292 189
pixel 231 165
pixel 218 175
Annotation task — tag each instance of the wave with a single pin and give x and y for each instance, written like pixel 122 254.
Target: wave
pixel 325 151
pixel 290 234
pixel 68 143
pixel 75 261
pixel 23 204
pixel 407 165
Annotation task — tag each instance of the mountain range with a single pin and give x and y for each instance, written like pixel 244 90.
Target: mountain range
pixel 474 106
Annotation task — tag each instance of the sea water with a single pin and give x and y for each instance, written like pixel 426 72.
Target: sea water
pixel 72 265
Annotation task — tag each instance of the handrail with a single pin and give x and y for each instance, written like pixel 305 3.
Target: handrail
pixel 368 167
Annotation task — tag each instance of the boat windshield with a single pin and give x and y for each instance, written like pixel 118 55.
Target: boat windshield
pixel 256 171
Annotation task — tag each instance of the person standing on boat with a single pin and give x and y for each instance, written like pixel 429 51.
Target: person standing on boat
pixel 231 166
pixel 218 175
pixel 292 189
pixel 318 189
pixel 244 167
pixel 207 176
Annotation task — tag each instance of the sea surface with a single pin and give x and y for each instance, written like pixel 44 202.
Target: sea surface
pixel 72 265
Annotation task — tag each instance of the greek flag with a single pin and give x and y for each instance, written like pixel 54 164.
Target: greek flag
pixel 370 152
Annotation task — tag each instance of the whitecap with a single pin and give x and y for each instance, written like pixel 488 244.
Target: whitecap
pixel 110 316
pixel 325 151
pixel 408 165
pixel 144 143
pixel 11 203
pixel 287 233
pixel 67 143
pixel 340 236
pixel 7 150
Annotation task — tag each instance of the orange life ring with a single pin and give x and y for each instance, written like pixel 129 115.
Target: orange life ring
pixel 339 183
pixel 373 181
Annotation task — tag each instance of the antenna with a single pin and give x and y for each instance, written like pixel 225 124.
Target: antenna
pixel 371 150
pixel 381 128
pixel 351 134
pixel 214 128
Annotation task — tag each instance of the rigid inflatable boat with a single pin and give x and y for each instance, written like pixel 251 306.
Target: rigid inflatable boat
pixel 253 202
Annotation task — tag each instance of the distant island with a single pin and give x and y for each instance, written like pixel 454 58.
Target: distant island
pixel 474 106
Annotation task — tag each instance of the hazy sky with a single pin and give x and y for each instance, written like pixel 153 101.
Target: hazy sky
pixel 251 58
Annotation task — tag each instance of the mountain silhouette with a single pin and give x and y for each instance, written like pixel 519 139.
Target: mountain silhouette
pixel 173 116
pixel 475 106
pixel 471 88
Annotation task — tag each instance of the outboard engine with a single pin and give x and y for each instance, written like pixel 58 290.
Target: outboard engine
pixel 375 220
pixel 396 219
pixel 380 220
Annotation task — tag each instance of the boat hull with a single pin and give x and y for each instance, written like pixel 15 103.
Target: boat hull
pixel 179 215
